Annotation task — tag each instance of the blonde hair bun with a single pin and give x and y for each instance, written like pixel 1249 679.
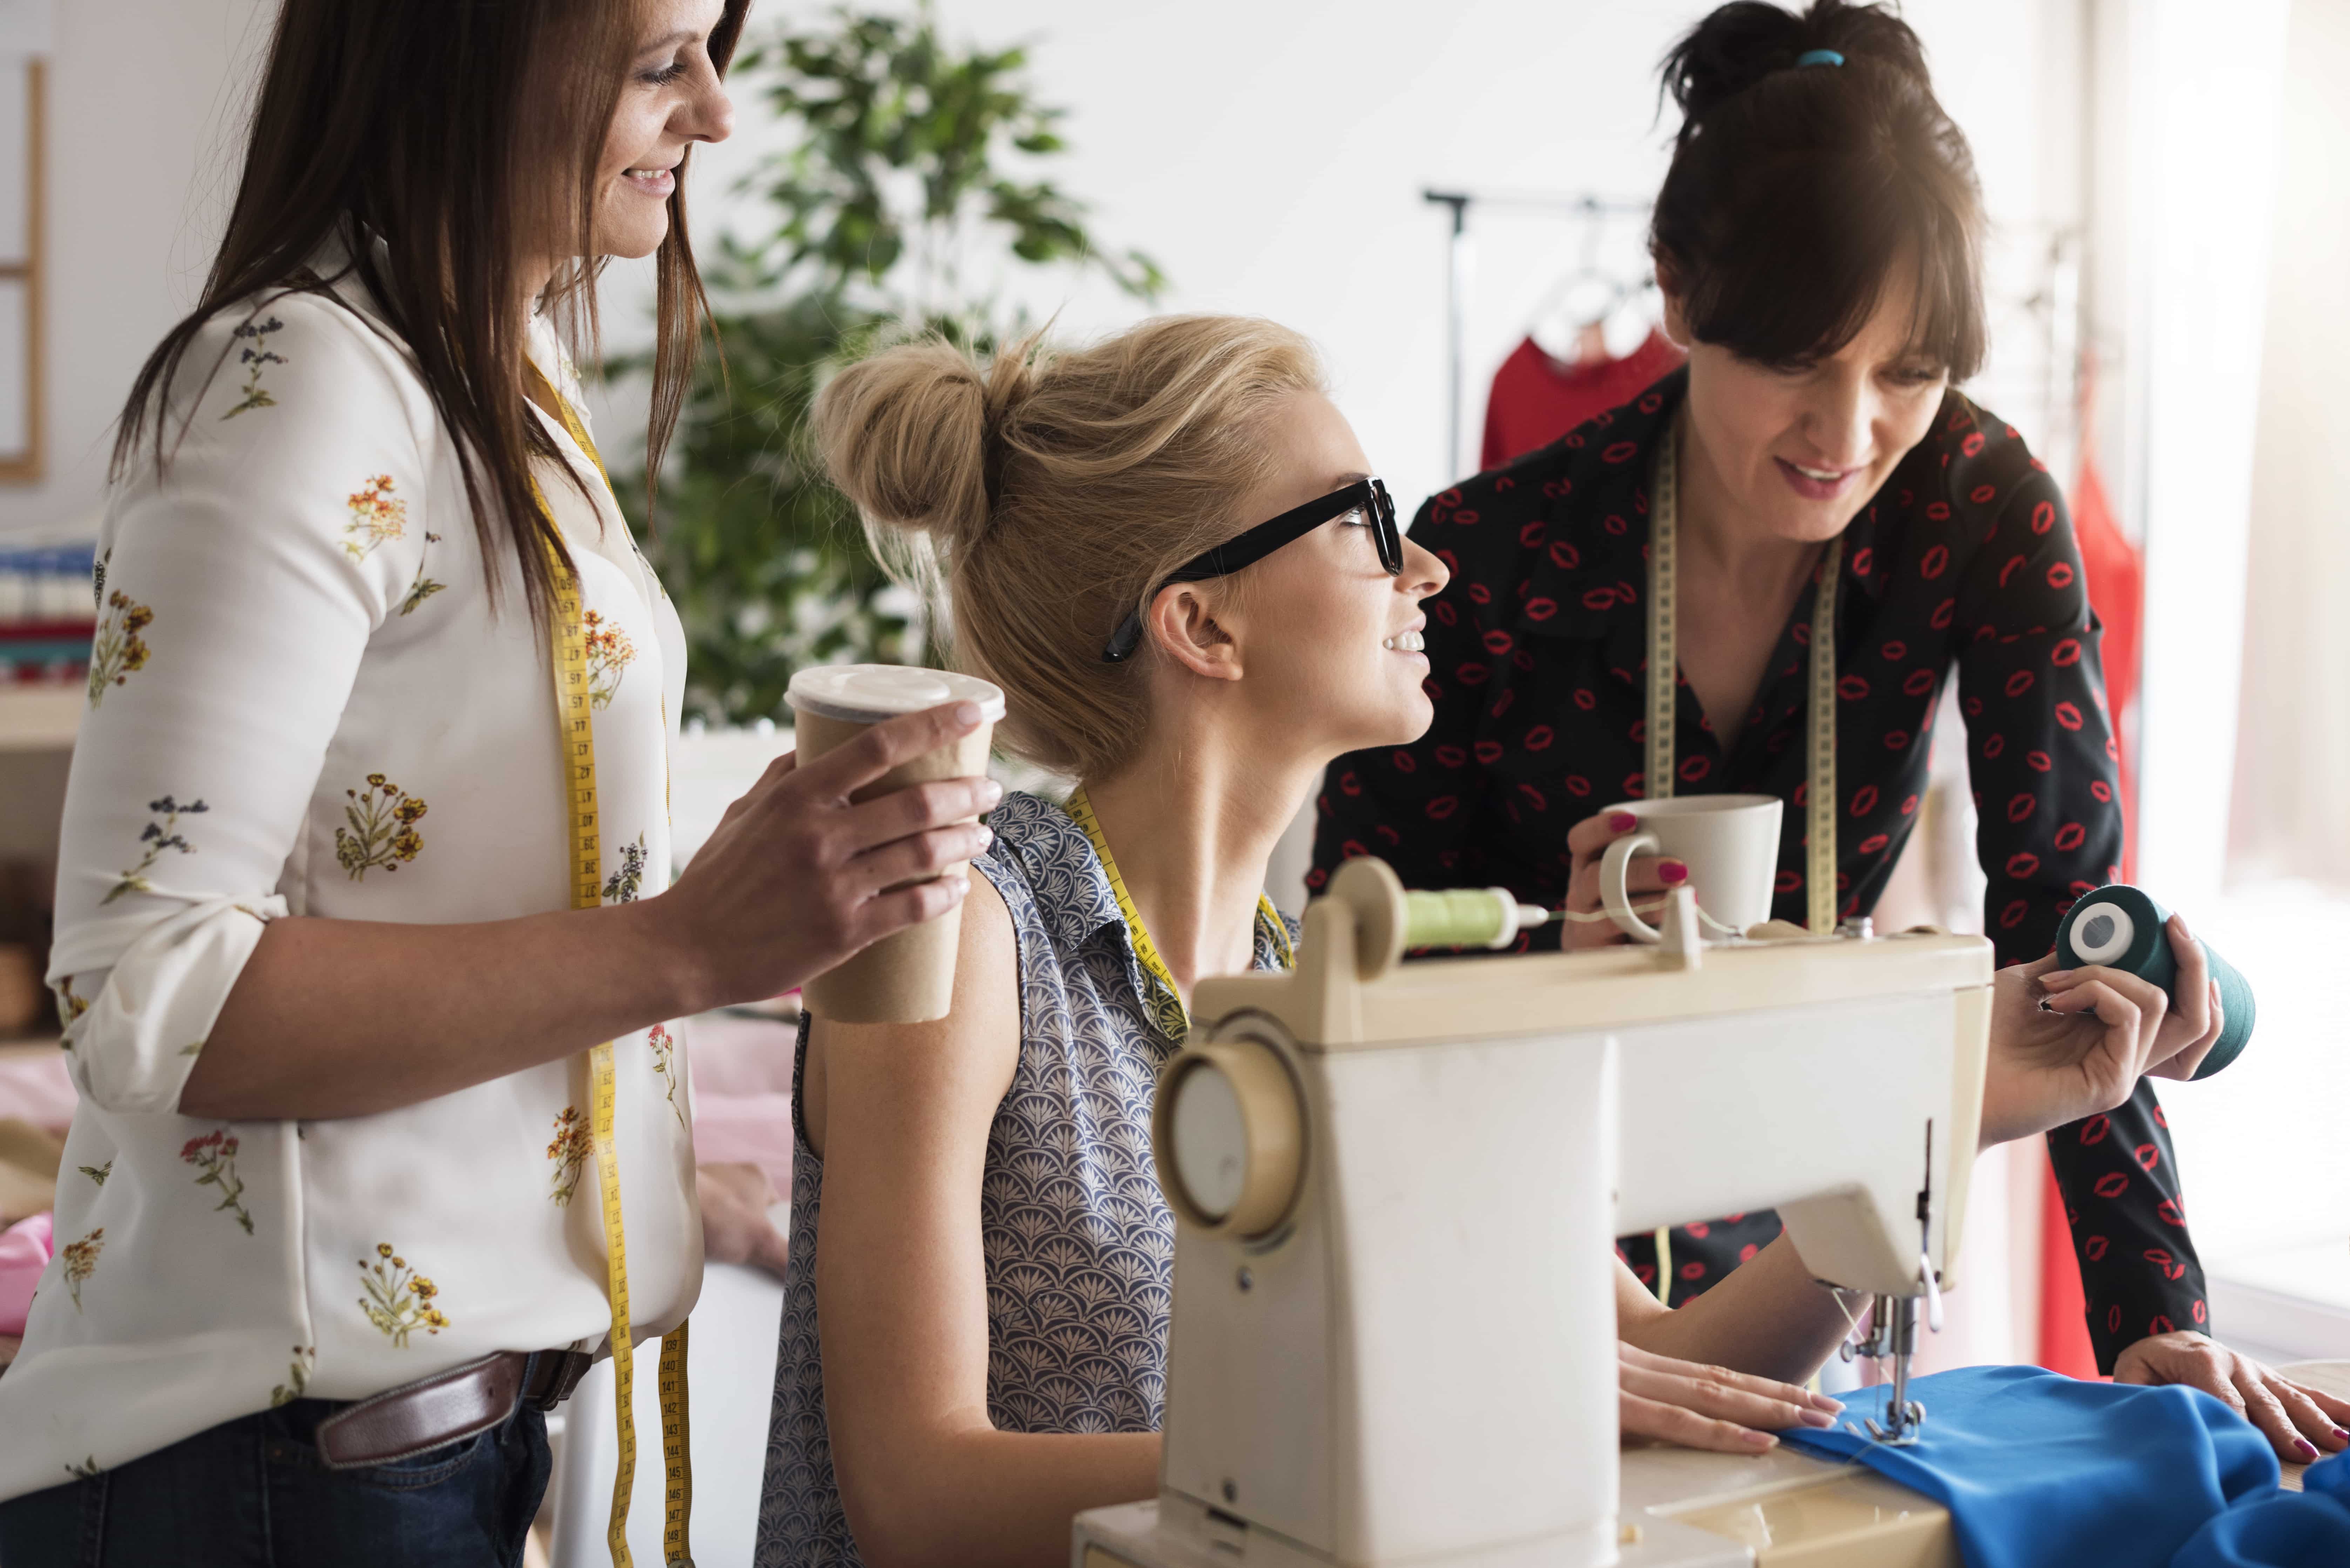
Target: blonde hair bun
pixel 905 435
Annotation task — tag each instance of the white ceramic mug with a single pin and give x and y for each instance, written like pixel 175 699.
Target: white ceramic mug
pixel 1730 844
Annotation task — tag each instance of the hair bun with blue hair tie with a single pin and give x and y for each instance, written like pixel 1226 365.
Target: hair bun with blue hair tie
pixel 1819 57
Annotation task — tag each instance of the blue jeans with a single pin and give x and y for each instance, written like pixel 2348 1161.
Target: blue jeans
pixel 253 1493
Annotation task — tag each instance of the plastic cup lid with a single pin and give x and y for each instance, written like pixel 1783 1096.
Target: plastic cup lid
pixel 868 693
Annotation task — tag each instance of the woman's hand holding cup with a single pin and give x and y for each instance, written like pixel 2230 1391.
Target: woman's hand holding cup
pixel 800 875
pixel 1646 878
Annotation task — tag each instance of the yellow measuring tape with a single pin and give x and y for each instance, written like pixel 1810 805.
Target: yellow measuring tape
pixel 1166 1006
pixel 1664 666
pixel 575 719
pixel 1663 751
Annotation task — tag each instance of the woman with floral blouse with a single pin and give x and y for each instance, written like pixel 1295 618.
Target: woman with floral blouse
pixel 1818 243
pixel 328 1000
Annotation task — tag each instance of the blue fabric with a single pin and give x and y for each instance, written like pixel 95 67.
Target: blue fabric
pixel 254 1491
pixel 1077 1242
pixel 2039 1471
pixel 2307 1529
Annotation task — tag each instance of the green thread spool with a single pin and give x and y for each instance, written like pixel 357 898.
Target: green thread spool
pixel 1467 917
pixel 2121 927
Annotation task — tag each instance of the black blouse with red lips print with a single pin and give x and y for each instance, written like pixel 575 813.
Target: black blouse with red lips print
pixel 1537 651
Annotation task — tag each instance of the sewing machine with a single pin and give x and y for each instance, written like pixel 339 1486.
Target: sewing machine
pixel 1397 1189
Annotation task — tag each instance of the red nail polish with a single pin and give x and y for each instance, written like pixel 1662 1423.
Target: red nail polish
pixel 2307 1449
pixel 1672 871
pixel 1622 821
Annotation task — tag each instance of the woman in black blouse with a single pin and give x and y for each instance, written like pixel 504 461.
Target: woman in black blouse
pixel 1817 239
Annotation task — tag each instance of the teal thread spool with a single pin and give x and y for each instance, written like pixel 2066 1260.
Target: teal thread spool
pixel 2121 927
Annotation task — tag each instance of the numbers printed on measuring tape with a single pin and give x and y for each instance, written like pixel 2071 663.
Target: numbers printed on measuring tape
pixel 1664 669
pixel 575 726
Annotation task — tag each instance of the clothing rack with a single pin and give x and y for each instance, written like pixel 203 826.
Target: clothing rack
pixel 2040 340
pixel 1460 257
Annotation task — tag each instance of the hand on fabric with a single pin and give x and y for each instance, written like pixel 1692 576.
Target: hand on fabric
pixel 799 876
pixel 735 1200
pixel 2300 1422
pixel 2069 1043
pixel 1654 875
pixel 1709 1407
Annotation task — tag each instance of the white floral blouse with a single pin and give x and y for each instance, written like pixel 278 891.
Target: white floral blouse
pixel 301 703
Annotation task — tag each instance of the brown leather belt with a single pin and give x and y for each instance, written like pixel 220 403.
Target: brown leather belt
pixel 448 1407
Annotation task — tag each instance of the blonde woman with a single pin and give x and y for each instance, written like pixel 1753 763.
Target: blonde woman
pixel 1169 550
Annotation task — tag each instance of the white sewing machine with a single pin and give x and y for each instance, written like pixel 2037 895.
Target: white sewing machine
pixel 1397 1187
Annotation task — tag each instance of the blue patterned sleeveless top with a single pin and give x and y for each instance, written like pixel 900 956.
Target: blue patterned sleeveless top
pixel 1077 1240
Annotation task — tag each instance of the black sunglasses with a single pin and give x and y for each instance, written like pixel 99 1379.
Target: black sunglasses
pixel 1367 496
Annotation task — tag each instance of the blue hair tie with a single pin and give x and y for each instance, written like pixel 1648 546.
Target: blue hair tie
pixel 1819 57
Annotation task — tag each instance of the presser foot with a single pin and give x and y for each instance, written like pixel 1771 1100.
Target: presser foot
pixel 1905 1423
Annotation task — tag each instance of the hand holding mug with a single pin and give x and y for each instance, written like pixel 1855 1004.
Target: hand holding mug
pixel 1723 847
pixel 1646 877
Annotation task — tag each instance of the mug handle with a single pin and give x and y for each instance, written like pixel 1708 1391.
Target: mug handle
pixel 1611 885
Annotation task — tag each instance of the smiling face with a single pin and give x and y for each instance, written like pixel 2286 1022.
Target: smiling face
pixel 1327 644
pixel 673 99
pixel 1794 451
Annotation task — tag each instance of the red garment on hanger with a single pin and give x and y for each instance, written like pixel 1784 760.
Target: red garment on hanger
pixel 2116 580
pixel 1536 399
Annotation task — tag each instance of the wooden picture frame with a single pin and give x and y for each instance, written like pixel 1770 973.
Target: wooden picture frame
pixel 24 378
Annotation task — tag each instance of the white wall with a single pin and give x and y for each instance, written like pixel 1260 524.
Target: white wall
pixel 1271 155
pixel 144 100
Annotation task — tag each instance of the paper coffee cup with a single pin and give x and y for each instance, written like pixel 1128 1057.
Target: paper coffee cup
pixel 907 977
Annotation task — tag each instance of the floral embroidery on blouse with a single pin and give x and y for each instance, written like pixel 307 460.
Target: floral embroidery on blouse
pixel 97 1173
pixel 377 516
pixel 610 654
pixel 621 886
pixel 399 1300
pixel 214 1154
pixel 573 1142
pixel 665 1063
pixel 157 836
pixel 297 1376
pixel 256 356
pixel 81 1261
pixel 118 650
pixel 382 831
pixel 69 1008
pixel 423 587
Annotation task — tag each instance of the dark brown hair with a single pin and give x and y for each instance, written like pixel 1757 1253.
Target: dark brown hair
pixel 459 133
pixel 1795 190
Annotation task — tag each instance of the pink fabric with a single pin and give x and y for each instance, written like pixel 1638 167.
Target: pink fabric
pixel 742 1094
pixel 37 1089
pixel 25 1251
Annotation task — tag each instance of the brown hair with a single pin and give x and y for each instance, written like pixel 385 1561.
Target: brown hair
pixel 432 126
pixel 1054 491
pixel 1795 190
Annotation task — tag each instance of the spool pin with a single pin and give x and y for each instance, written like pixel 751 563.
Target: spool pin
pixel 2121 927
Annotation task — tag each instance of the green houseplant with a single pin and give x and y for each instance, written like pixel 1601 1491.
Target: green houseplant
pixel 914 165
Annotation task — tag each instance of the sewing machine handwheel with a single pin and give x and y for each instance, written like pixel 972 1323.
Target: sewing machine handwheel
pixel 1228 1136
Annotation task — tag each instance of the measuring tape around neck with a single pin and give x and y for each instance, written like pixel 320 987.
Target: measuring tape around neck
pixel 1166 1002
pixel 1664 669
pixel 575 720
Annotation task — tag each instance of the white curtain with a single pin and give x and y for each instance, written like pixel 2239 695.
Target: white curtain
pixel 2291 811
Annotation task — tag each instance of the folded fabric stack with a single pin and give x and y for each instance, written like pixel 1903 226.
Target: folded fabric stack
pixel 46 617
